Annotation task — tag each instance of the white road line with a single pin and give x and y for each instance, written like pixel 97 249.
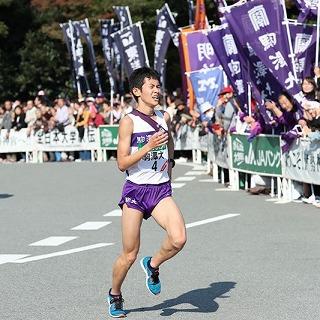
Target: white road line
pixel 225 189
pixel 272 200
pixel 52 241
pixel 198 168
pixel 177 185
pixel 91 225
pixel 63 253
pixel 194 173
pixel 114 213
pixel 5 258
pixel 184 179
pixel 207 180
pixel 198 223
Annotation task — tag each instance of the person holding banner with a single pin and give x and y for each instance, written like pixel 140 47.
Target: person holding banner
pixel 145 153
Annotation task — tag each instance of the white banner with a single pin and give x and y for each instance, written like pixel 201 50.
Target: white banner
pixel 302 162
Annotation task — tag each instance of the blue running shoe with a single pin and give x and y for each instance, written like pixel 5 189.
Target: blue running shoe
pixel 152 276
pixel 116 306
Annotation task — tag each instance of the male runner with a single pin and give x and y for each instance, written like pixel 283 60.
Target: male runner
pixel 145 153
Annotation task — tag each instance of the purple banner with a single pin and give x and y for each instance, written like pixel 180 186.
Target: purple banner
pixel 166 26
pixel 303 38
pixel 308 9
pixel 201 52
pixel 233 65
pixel 124 16
pixel 130 43
pixel 83 27
pixel 260 23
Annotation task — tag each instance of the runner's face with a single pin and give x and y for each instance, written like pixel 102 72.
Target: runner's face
pixel 150 92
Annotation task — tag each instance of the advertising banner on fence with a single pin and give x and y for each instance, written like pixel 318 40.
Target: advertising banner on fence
pixel 302 162
pixel 262 155
pixel 108 136
pixel 220 151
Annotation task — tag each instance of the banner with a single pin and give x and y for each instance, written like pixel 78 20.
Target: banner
pixel 124 16
pixel 200 17
pixel 107 49
pixel 233 64
pixel 108 136
pixel 201 52
pixel 262 155
pixel 206 83
pixel 191 11
pixel 166 28
pixel 84 30
pixel 303 38
pixel 130 43
pixel 260 23
pixel 308 9
pixel 301 162
pixel 72 38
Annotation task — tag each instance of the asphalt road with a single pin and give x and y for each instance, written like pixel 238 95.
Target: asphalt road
pixel 246 258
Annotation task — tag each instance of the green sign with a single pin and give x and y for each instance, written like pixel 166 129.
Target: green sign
pixel 108 136
pixel 262 155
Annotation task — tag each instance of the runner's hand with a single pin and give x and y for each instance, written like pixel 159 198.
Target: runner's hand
pixel 158 139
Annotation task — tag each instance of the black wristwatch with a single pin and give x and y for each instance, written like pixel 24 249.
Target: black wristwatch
pixel 173 163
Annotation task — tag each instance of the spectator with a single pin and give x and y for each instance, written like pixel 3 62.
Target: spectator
pixel 62 115
pixel 31 116
pixel 18 119
pixel 171 108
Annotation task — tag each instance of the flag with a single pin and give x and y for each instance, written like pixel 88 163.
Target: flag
pixel 166 28
pixel 232 63
pixel 206 84
pixel 84 30
pixel 200 17
pixel 308 9
pixel 303 38
pixel 105 31
pixel 260 23
pixel 191 11
pixel 75 49
pixel 124 16
pixel 130 42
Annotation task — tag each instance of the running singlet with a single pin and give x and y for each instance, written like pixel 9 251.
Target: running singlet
pixel 153 167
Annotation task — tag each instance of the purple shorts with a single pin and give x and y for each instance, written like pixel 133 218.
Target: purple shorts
pixel 144 197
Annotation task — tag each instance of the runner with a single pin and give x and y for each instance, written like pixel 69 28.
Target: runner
pixel 145 153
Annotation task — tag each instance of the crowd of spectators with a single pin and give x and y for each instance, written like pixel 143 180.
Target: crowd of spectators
pixel 43 114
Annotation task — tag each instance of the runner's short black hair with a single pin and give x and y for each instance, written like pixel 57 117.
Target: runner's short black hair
pixel 137 77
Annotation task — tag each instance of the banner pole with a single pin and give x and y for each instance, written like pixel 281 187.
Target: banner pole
pixel 286 22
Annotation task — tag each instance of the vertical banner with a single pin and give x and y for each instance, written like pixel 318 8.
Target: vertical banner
pixel 308 8
pixel 124 16
pixel 72 38
pixel 233 64
pixel 303 38
pixel 166 27
pixel 191 11
pixel 130 43
pixel 207 84
pixel 105 31
pixel 261 23
pixel 200 18
pixel 84 30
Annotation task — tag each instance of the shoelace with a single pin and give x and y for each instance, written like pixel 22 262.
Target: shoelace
pixel 118 303
pixel 155 276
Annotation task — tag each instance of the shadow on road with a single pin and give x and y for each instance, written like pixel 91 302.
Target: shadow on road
pixel 201 299
pixel 5 195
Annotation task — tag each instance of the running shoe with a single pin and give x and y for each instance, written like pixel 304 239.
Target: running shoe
pixel 116 306
pixel 152 276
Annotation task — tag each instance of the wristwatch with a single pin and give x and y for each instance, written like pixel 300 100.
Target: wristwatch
pixel 173 163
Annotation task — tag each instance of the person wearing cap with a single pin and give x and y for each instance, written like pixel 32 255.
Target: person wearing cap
pixel 226 109
pixel 92 109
